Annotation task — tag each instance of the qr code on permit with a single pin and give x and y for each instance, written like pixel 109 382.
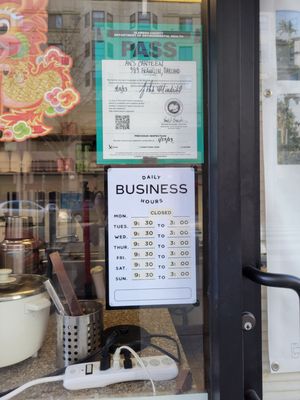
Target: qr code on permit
pixel 122 121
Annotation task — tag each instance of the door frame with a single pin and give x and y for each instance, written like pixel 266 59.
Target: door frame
pixel 231 197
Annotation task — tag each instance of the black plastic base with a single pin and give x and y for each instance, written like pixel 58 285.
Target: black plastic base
pixel 133 336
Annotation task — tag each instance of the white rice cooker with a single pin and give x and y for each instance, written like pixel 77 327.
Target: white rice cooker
pixel 24 315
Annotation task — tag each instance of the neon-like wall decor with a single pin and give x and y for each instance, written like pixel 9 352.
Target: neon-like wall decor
pixel 34 84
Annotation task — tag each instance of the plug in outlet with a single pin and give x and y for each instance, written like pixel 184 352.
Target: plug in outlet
pixel 89 375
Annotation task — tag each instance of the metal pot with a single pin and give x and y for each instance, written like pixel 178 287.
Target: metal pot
pixel 24 314
pixel 19 250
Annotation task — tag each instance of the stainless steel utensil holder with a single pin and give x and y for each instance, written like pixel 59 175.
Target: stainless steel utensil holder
pixel 79 336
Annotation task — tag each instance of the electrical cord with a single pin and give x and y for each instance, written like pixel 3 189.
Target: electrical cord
pixel 105 358
pixel 146 341
pixel 181 311
pixel 164 352
pixel 116 363
pixel 178 358
pixel 60 371
pixel 32 383
pixel 54 373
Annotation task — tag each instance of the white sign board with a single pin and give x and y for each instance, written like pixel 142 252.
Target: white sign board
pixel 151 236
pixel 149 109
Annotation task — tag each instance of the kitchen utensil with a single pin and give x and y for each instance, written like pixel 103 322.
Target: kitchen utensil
pixel 19 251
pixel 86 238
pixel 17 228
pixel 54 297
pixel 78 336
pixel 98 279
pixel 6 280
pixel 24 313
pixel 66 286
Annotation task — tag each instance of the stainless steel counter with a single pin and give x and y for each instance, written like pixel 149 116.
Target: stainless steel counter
pixel 155 321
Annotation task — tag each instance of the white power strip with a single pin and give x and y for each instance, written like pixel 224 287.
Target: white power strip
pixel 88 375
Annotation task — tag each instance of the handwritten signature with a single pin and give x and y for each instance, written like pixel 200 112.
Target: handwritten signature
pixel 149 87
pixel 165 139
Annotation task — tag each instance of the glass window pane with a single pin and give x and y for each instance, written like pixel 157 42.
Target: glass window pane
pixel 87 50
pixel 109 18
pixel 55 187
pixel 186 24
pixel 132 20
pixel 55 21
pixel 87 79
pixel 87 20
pixel 287 44
pixel 280 158
pixel 97 16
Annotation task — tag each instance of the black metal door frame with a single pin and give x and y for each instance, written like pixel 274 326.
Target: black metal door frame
pixel 231 198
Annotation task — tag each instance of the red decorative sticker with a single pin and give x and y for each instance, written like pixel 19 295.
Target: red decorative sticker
pixel 34 84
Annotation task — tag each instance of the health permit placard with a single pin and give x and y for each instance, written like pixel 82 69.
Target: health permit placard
pixel 151 236
pixel 149 109
pixel 149 101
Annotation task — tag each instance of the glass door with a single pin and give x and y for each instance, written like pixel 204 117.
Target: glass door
pixel 101 153
pixel 129 175
pixel 280 29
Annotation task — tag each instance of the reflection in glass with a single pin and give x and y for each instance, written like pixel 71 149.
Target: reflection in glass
pixel 55 21
pixel 288 45
pixel 186 24
pixel 288 131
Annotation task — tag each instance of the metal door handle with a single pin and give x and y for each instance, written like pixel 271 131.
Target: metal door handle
pixel 273 280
